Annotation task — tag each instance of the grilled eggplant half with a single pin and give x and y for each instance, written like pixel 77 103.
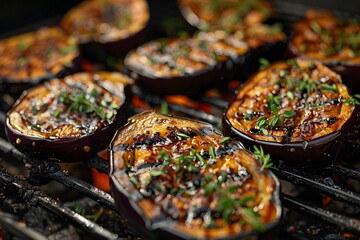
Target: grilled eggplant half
pixel 28 58
pixel 228 15
pixel 175 178
pixel 297 110
pixel 335 42
pixel 176 66
pixel 115 26
pixel 69 119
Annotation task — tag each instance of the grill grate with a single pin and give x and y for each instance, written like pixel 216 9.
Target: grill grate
pixel 42 172
pixel 320 182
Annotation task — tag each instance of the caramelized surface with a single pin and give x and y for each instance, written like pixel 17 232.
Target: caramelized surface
pixel 191 174
pixel 291 102
pixel 71 107
pixel 171 57
pixel 323 36
pixel 228 15
pixel 106 20
pixel 35 55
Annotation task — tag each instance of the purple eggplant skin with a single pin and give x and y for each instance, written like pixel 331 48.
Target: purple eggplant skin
pixel 189 84
pixel 68 149
pixel 318 152
pixel 126 202
pixel 159 226
pixel 347 70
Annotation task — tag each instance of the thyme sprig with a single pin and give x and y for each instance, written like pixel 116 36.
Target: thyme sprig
pixel 263 158
pixel 83 102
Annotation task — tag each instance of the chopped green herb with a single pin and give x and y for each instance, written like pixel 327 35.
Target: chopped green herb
pixel 183 135
pixel 247 116
pixel 294 63
pixel 275 28
pixel 156 173
pixel 22 45
pixel 303 47
pixel 57 113
pixel 34 110
pixel 328 87
pixel 289 113
pixel 290 95
pixel 200 158
pixel 164 108
pixel 212 152
pixel 134 181
pixel 21 61
pixel 265 160
pixel 264 63
pixel 68 49
pixel 224 139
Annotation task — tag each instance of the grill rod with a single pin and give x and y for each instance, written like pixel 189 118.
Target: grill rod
pixel 55 173
pixel 38 198
pixel 8 222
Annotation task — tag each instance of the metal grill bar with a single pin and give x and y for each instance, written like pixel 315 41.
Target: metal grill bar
pixel 17 229
pixel 353 173
pixel 55 173
pixel 37 198
pixel 333 190
pixel 350 224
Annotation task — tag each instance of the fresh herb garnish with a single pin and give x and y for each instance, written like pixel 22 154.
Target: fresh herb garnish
pixel 21 61
pixel 247 116
pixel 82 102
pixel 68 49
pixel 264 159
pixel 57 113
pixel 294 63
pixel 289 113
pixel 328 87
pixel 183 135
pixel 224 140
pixel 264 63
pixel 164 108
pixel 156 173
pixel 134 181
pixel 212 152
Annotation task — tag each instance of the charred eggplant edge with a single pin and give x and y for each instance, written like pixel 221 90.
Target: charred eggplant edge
pixel 72 149
pixel 153 229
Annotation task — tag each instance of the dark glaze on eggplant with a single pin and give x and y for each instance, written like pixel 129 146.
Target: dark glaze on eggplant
pixel 171 58
pixel 106 20
pixel 36 55
pixel 240 42
pixel 176 66
pixel 61 111
pixel 295 106
pixel 181 174
pixel 324 37
pixel 228 15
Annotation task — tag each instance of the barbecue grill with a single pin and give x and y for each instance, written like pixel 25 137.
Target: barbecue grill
pixel 320 203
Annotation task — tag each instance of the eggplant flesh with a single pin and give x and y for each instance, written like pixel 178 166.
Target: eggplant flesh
pixel 28 58
pixel 297 110
pixel 69 119
pixel 171 177
pixel 107 27
pixel 228 15
pixel 324 37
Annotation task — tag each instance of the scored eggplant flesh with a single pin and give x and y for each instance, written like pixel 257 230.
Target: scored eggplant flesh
pixel 298 105
pixel 227 15
pixel 60 112
pixel 324 37
pixel 106 21
pixel 171 57
pixel 334 41
pixel 36 55
pixel 179 176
